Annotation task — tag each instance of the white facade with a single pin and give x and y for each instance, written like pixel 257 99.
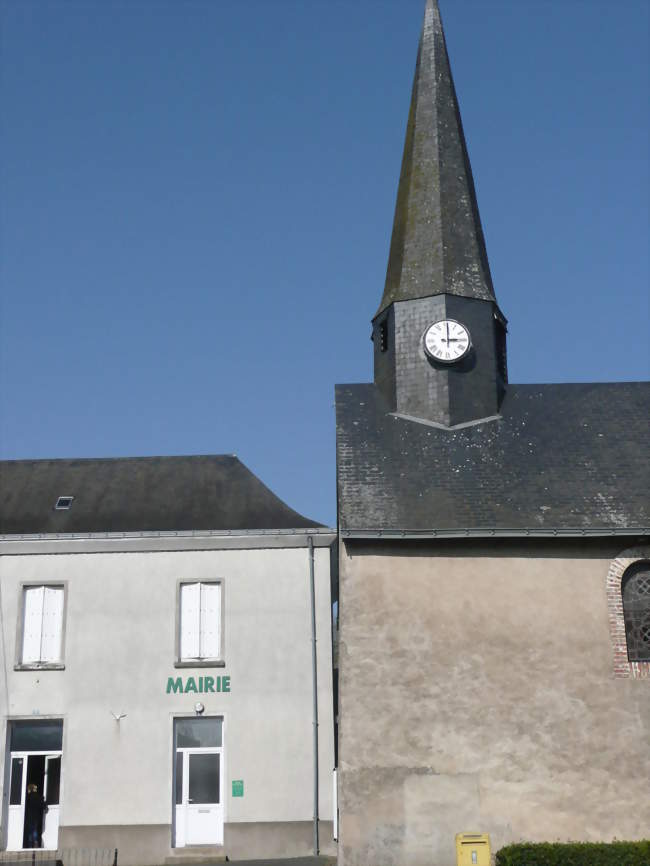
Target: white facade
pixel 93 636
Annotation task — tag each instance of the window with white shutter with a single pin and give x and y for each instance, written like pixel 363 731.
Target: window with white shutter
pixel 42 625
pixel 200 621
pixel 190 620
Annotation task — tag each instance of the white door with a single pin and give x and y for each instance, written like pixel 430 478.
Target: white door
pixel 48 785
pixel 199 814
pixel 51 788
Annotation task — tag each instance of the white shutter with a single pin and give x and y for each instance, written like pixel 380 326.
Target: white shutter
pixel 190 618
pixel 210 620
pixel 52 624
pixel 32 623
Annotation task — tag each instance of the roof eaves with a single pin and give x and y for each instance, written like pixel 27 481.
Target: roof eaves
pixel 193 533
pixel 494 532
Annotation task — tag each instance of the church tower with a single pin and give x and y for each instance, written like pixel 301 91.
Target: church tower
pixel 493 542
pixel 439 336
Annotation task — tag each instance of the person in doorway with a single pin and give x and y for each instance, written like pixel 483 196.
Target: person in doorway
pixel 35 809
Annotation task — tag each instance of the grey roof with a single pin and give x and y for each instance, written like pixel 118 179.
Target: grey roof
pixel 437 244
pixel 558 458
pixel 139 494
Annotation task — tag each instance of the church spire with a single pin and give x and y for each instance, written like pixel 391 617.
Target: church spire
pixel 439 339
pixel 437 245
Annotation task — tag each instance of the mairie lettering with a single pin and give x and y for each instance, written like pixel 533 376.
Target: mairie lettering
pixel 198 685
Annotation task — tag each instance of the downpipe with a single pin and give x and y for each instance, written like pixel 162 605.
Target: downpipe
pixel 314 669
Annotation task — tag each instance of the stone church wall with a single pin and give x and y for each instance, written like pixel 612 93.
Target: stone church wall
pixel 478 694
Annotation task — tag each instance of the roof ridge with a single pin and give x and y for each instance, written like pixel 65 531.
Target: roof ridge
pixel 120 458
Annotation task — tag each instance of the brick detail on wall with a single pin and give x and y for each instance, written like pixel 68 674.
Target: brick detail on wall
pixel 622 666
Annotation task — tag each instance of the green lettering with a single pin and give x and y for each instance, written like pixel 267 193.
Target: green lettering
pixel 190 685
pixel 174 685
pixel 218 684
pixel 226 684
pixel 209 684
pixel 200 684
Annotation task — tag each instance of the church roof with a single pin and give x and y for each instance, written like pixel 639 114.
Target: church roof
pixel 139 494
pixel 559 459
pixel 437 244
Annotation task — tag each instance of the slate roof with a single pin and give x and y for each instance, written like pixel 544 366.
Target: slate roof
pixel 559 459
pixel 437 244
pixel 139 494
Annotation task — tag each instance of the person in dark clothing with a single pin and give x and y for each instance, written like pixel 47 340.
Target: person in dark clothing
pixel 35 809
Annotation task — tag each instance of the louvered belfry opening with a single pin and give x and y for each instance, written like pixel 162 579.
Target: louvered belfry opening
pixel 635 588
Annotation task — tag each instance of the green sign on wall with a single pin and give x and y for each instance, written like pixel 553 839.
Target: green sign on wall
pixel 238 787
pixel 198 685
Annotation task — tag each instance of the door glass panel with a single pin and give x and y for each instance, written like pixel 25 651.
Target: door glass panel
pixel 198 733
pixel 15 795
pixel 45 736
pixel 53 781
pixel 179 778
pixel 204 778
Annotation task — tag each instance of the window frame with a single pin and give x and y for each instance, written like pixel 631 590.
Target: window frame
pixel 207 662
pixel 20 665
pixel 622 666
pixel 641 566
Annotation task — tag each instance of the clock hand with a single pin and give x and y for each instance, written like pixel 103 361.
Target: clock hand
pixel 447 331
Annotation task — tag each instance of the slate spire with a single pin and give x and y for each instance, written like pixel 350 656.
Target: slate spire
pixel 437 245
pixel 438 269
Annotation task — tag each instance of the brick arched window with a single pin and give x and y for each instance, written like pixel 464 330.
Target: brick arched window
pixel 628 602
pixel 635 588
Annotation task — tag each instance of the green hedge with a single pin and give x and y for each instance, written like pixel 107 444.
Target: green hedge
pixel 576 854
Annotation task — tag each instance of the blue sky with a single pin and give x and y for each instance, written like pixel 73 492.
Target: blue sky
pixel 197 200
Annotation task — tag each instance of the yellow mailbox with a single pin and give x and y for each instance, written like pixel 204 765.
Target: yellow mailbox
pixel 472 849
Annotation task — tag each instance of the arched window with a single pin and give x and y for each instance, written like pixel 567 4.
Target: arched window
pixel 635 588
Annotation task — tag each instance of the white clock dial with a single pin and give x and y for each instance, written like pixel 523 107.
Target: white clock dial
pixel 446 341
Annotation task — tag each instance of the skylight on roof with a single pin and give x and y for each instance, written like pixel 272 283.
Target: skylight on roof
pixel 63 503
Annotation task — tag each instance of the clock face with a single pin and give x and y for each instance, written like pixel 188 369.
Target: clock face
pixel 446 341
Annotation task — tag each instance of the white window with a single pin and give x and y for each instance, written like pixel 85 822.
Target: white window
pixel 42 624
pixel 200 621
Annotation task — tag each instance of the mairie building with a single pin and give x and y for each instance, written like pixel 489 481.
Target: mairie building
pixel 494 571
pixel 167 661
